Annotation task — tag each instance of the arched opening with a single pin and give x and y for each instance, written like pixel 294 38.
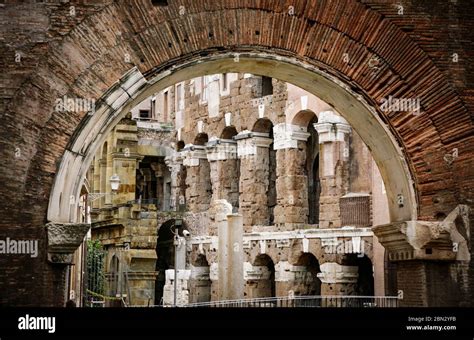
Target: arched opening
pixel 198 176
pixel 165 258
pixel 387 154
pixel 305 119
pixel 265 126
pixel 98 63
pixel 200 283
pixel 365 278
pixel 263 285
pixel 179 145
pixel 228 132
pixel 307 281
pixel 114 281
pixel 201 139
pixel 312 169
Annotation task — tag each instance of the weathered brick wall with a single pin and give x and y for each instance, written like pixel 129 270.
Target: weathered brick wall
pixel 83 55
pixel 242 102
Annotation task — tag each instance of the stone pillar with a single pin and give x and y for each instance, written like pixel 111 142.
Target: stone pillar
pixel 224 164
pixel 429 259
pixel 295 280
pixel 230 252
pixel 292 209
pixel 178 194
pixel 138 275
pixel 333 131
pixel 159 172
pixel 182 296
pixel 199 190
pixel 337 279
pixel 253 151
pixel 122 161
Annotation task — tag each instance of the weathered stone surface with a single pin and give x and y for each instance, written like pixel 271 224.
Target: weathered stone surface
pixel 59 58
pixel 63 240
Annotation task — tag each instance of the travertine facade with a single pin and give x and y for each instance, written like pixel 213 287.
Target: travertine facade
pixel 278 160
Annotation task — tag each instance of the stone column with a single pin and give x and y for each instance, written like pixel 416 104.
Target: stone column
pixel 337 279
pixel 224 164
pixel 230 252
pixel 159 169
pixel 199 190
pixel 253 151
pixel 333 131
pixel 292 209
pixel 175 166
pixel 294 280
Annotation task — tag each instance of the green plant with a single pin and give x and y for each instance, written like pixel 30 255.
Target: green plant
pixel 95 266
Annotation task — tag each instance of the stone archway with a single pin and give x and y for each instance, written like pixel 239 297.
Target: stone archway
pixel 307 46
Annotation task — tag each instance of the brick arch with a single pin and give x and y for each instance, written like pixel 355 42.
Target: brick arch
pixel 82 58
pixel 304 117
pixel 264 125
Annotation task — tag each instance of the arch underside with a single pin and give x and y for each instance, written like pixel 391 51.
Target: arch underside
pixel 307 51
pixel 350 54
pixel 133 88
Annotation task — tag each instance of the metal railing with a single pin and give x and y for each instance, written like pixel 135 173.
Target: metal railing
pixel 334 301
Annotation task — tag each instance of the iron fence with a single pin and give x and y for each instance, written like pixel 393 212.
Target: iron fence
pixel 316 301
pixel 334 301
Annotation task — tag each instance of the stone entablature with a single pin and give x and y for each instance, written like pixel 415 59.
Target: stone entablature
pixel 286 272
pixel 256 272
pixel 286 136
pixel 221 149
pixel 248 142
pixel 331 127
pixel 332 272
pixel 427 240
pixel 282 238
pixel 192 154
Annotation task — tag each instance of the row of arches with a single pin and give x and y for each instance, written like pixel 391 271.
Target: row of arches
pixel 268 281
pixel 264 127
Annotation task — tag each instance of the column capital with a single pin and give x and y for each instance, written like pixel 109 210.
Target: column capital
pixel 332 272
pixel 64 239
pixel 193 154
pixel 173 160
pixel 221 149
pixel 331 127
pixel 287 136
pixel 428 240
pixel 248 142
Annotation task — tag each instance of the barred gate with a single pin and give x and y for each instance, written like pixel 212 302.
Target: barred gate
pixel 95 275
